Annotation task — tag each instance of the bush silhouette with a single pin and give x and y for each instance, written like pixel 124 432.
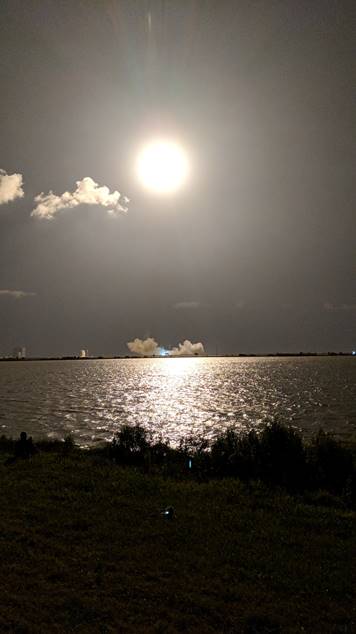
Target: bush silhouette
pixel 276 456
pixel 282 457
pixel 246 459
pixel 6 444
pixel 130 445
pixel 224 451
pixel 236 455
pixel 194 456
pixel 330 465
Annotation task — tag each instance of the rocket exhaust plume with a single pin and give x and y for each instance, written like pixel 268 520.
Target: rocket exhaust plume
pixel 187 348
pixel 149 347
pixel 144 347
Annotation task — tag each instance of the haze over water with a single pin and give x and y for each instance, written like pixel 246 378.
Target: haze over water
pixel 176 397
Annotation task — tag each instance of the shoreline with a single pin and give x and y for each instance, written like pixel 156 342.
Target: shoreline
pixel 277 456
pixel 240 355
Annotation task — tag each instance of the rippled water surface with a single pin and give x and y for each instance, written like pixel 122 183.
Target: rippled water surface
pixel 176 396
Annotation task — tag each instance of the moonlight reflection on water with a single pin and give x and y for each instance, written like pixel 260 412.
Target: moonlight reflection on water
pixel 176 397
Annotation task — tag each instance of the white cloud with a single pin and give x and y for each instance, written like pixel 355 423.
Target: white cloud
pixel 16 294
pixel 88 192
pixel 149 347
pixel 144 347
pixel 10 187
pixel 186 305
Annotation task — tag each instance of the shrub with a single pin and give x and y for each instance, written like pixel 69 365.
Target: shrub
pixel 7 445
pixel 195 457
pixel 330 465
pixel 130 445
pixel 160 453
pixel 282 457
pixel 224 454
pixel 276 456
pixel 68 445
pixel 245 461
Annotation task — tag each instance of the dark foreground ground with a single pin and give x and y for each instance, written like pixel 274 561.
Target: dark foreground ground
pixel 84 548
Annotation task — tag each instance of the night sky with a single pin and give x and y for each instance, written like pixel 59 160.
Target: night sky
pixel 256 252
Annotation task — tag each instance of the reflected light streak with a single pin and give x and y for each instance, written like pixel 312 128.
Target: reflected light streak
pixel 181 366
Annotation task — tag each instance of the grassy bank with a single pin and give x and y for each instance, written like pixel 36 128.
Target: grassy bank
pixel 84 548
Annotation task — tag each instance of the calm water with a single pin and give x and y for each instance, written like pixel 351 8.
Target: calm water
pixel 176 396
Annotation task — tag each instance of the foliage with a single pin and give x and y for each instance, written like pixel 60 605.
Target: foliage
pixel 130 445
pixel 276 456
pixel 331 465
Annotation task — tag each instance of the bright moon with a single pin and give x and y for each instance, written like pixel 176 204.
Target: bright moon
pixel 162 166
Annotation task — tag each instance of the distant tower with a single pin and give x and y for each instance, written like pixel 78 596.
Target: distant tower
pixel 19 353
pixel 83 354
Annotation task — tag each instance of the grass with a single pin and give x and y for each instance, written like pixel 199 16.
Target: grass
pixel 84 548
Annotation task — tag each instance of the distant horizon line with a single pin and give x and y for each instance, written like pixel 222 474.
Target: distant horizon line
pixel 330 353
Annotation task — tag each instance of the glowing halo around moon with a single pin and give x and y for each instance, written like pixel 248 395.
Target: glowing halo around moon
pixel 162 166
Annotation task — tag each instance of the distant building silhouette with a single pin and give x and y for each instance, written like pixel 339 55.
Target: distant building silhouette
pixel 19 353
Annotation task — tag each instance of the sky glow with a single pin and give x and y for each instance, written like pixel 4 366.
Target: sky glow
pixel 228 125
